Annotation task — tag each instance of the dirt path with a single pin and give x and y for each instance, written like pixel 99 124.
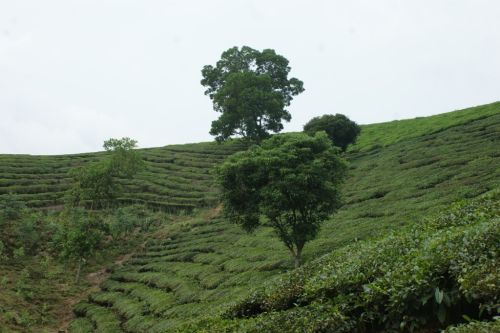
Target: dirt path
pixel 94 279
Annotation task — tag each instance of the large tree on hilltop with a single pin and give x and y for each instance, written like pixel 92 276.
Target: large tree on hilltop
pixel 251 90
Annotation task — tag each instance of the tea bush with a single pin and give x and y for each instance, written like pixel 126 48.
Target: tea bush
pixel 11 207
pixel 431 274
pixel 27 233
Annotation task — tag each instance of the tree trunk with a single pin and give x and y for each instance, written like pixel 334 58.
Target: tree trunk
pixel 297 256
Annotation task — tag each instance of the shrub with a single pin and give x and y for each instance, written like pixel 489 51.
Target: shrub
pixel 476 327
pixel 430 274
pixel 27 233
pixel 340 129
pixel 122 223
pixel 78 237
pixel 11 207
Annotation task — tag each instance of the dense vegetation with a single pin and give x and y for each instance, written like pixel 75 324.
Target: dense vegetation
pixel 201 270
pixel 179 177
pixel 41 253
pixel 197 268
pixel 383 134
pixel 440 272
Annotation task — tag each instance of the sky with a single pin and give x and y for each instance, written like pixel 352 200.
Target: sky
pixel 75 73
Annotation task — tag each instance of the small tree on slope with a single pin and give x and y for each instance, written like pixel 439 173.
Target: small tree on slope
pixel 96 183
pixel 291 182
pixel 78 237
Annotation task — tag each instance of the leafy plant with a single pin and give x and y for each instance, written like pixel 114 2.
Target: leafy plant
pixel 292 180
pixel 340 129
pixel 250 89
pixel 431 274
pixel 97 183
pixel 122 223
pixel 11 207
pixel 77 238
pixel 27 233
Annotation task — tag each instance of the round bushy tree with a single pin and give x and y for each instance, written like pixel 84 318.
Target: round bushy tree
pixel 251 90
pixel 291 181
pixel 340 129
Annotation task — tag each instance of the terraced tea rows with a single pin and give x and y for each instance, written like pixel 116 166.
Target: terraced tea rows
pixel 398 184
pixel 178 177
pixel 193 271
pixel 175 177
pixel 200 266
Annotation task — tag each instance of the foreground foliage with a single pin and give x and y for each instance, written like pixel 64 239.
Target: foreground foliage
pixel 199 266
pixel 40 252
pixel 428 276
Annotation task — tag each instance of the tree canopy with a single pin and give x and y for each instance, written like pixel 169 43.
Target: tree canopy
pixel 78 237
pixel 340 129
pixel 291 181
pixel 96 183
pixel 251 90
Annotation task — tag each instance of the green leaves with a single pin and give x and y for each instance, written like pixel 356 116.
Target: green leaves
pixel 96 183
pixel 79 236
pixel 11 207
pixel 340 129
pixel 438 295
pixel 292 180
pixel 251 89
pixel 429 274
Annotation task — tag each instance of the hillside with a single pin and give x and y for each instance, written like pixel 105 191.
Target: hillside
pixel 435 274
pixel 202 266
pixel 178 177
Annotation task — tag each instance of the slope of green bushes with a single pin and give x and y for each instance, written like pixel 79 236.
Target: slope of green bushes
pixel 384 134
pixel 175 178
pixel 202 270
pixel 178 177
pixel 198 268
pixel 428 276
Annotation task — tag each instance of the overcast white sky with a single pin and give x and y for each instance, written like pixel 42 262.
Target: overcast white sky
pixel 74 73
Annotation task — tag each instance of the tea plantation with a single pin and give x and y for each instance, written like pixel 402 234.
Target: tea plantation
pixel 175 178
pixel 401 254
pixel 203 271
